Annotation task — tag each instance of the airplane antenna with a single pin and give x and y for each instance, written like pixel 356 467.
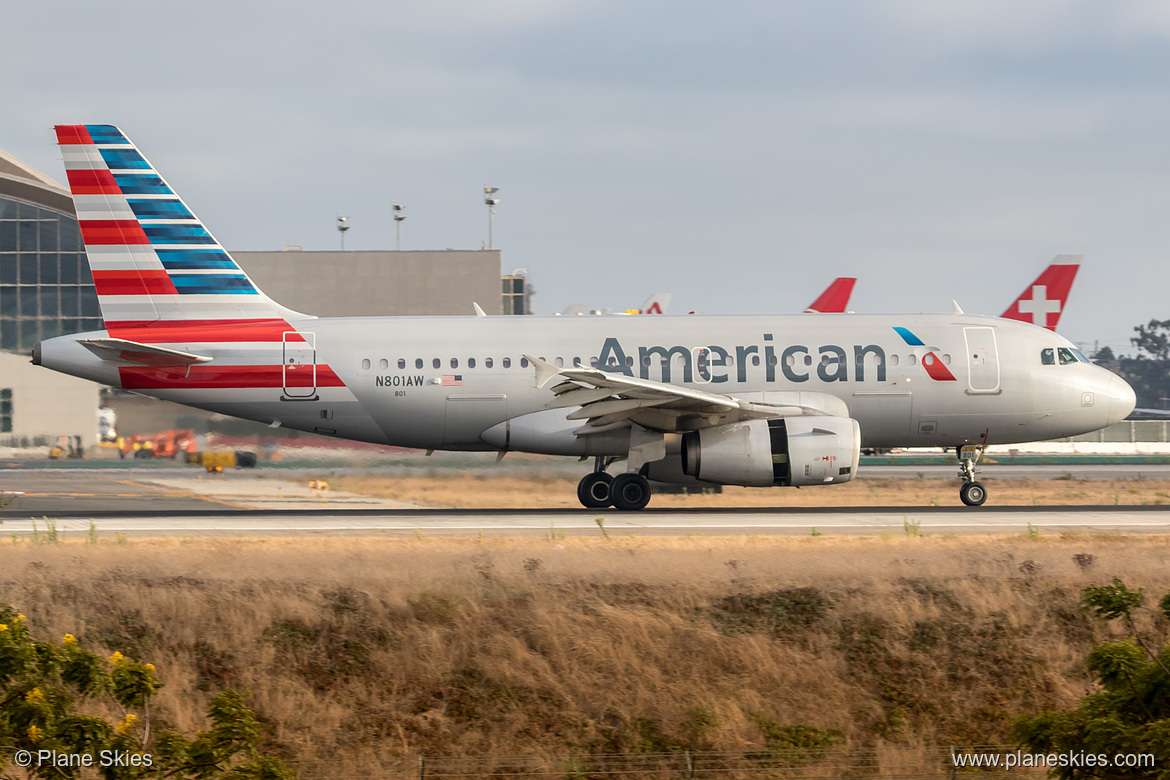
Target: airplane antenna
pixel 342 226
pixel 491 201
pixel 398 218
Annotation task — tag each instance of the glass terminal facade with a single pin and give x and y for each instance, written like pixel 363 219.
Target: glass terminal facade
pixel 46 289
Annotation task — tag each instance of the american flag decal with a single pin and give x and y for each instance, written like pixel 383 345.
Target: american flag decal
pixel 452 380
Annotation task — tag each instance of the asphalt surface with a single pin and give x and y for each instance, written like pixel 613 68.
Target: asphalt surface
pixel 184 502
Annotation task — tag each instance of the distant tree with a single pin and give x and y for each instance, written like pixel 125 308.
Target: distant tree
pixel 1153 339
pixel 1130 714
pixel 1104 355
pixel 1149 371
pixel 46 695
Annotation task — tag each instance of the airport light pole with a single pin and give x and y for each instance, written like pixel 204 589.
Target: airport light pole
pixel 491 201
pixel 398 218
pixel 342 226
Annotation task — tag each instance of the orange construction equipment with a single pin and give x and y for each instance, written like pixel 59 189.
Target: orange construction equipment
pixel 167 444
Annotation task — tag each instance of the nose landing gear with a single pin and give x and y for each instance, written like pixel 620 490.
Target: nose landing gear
pixel 972 493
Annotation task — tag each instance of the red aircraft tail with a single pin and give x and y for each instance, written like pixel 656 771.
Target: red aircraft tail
pixel 1042 302
pixel 835 298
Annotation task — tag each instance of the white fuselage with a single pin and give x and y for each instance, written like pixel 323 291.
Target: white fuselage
pixel 459 383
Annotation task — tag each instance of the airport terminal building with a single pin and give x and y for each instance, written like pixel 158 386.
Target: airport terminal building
pixel 46 290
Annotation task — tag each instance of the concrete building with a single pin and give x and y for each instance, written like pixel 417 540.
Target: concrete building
pixel 355 284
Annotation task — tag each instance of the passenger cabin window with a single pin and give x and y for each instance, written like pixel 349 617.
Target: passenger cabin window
pixel 418 363
pixel 1048 357
pixel 437 363
pixel 894 359
pixel 507 362
pixel 402 362
pixel 365 364
pixel 454 362
pixel 487 362
pixel 523 362
pixel 383 364
pixel 1066 356
pixel 576 362
pixel 471 362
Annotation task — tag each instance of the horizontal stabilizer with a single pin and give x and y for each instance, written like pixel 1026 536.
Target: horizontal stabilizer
pixel 123 351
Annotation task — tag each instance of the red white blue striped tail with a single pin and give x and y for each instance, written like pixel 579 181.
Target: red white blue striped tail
pixel 153 261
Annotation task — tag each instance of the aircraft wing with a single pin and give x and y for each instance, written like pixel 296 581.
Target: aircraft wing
pixel 610 400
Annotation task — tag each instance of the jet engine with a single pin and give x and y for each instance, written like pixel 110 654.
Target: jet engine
pixel 814 450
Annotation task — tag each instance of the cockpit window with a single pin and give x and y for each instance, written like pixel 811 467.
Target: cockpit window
pixel 1066 355
pixel 1080 355
pixel 1048 356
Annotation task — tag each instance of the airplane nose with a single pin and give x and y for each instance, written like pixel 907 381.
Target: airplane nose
pixel 1120 399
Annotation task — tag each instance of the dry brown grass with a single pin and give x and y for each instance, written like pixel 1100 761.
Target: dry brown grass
pixel 383 648
pixel 511 492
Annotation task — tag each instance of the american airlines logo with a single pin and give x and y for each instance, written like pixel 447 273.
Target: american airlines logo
pixel 797 362
pixel 933 364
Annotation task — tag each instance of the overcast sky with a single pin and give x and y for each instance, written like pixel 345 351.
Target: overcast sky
pixel 736 155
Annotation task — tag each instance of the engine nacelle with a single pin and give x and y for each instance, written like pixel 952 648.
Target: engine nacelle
pixel 814 450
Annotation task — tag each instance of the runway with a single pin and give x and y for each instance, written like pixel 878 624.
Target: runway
pixel 554 523
pixel 179 503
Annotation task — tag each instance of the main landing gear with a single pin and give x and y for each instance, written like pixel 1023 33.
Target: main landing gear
pixel 972 493
pixel 629 491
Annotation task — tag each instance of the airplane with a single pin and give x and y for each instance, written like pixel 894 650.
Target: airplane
pixel 655 304
pixel 834 300
pixel 737 400
pixel 1042 302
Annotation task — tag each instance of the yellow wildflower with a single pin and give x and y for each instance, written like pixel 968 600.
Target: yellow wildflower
pixel 127 723
pixel 35 734
pixel 69 639
pixel 150 667
pixel 19 618
pixel 3 628
pixel 34 696
pixel 117 658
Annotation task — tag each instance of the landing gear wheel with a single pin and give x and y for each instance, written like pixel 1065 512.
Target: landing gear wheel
pixel 973 493
pixel 593 491
pixel 630 492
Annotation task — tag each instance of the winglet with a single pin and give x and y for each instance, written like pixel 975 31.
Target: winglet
pixel 478 311
pixel 958 308
pixel 545 372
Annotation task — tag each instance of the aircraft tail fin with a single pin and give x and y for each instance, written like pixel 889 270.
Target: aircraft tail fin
pixel 835 298
pixel 1042 302
pixel 152 260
